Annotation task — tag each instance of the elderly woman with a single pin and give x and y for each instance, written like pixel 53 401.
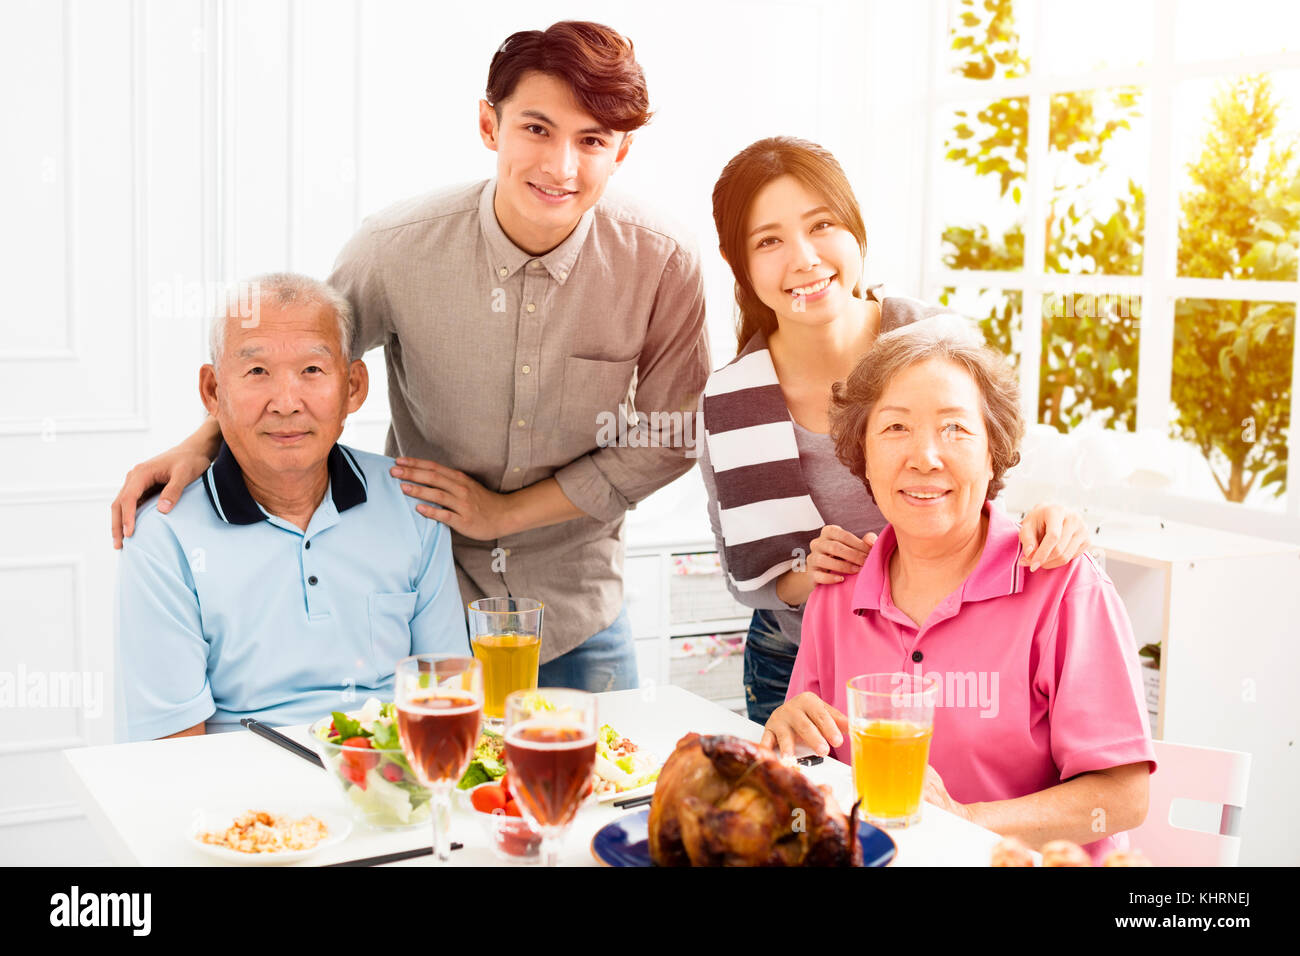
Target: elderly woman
pixel 1043 732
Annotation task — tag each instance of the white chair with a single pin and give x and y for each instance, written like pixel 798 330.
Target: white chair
pixel 1206 774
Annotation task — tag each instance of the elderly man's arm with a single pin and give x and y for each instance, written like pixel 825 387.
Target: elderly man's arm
pixel 1086 808
pixel 198 730
pixel 438 624
pixel 163 654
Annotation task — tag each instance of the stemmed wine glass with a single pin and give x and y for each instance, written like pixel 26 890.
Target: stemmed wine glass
pixel 550 755
pixel 439 709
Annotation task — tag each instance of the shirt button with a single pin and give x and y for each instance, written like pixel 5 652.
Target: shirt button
pixel 526 369
pixel 520 423
pixel 507 552
pixel 916 657
pixel 503 272
pixel 564 275
pixel 530 307
pixel 312 579
pixel 307 546
pixel 516 468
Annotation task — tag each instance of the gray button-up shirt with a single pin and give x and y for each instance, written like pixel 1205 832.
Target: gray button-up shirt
pixel 511 367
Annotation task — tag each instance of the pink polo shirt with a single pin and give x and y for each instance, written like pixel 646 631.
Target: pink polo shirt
pixel 1038 672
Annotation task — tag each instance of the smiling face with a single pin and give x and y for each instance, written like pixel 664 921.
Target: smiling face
pixel 283 389
pixel 927 451
pixel 554 160
pixel 803 262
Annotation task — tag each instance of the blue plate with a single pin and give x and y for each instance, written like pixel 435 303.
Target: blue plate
pixel 626 842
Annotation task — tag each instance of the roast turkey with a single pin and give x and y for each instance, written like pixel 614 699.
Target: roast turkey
pixel 722 801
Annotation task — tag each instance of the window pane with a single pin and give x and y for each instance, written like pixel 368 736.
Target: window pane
pixel 981 185
pixel 1209 30
pixel 995 311
pixel 1239 197
pixel 1100 35
pixel 1099 156
pixel 984 38
pixel 1231 395
pixel 1089 365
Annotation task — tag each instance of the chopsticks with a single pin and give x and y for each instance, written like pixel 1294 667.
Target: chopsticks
pixel 391 857
pixel 634 801
pixel 280 740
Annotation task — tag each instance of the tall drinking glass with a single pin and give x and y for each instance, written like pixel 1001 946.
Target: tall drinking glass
pixel 506 634
pixel 439 708
pixel 891 721
pixel 550 755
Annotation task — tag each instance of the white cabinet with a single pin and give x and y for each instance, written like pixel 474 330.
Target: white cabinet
pixel 1225 609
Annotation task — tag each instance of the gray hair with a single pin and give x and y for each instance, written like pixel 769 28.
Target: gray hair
pixel 943 336
pixel 280 288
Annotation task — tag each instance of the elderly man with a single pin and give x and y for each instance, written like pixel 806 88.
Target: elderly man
pixel 292 584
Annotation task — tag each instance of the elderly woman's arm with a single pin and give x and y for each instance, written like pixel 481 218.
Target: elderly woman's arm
pixel 1083 809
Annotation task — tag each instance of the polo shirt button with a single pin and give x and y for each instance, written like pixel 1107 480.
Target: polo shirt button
pixel 503 272
pixel 307 546
pixel 312 579
pixel 916 657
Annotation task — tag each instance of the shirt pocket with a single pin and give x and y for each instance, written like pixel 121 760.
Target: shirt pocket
pixel 596 394
pixel 390 629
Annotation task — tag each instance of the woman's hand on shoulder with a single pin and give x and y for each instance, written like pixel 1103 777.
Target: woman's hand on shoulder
pixel 1051 536
pixel 835 553
pixel 805 719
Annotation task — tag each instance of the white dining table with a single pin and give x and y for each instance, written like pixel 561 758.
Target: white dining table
pixel 143 797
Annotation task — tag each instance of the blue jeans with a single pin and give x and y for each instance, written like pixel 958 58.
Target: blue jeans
pixel 769 661
pixel 604 661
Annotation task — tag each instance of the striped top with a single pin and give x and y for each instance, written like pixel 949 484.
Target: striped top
pixel 766 514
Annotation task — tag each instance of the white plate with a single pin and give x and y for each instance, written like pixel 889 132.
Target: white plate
pixel 217 819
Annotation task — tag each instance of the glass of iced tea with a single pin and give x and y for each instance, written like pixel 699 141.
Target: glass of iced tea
pixel 439 707
pixel 891 720
pixel 550 755
pixel 506 634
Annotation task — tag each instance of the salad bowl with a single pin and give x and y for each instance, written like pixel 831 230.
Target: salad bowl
pixel 363 755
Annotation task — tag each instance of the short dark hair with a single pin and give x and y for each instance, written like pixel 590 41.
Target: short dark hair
pixel 597 62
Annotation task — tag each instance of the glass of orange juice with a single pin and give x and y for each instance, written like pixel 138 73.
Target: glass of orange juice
pixel 506 635
pixel 891 720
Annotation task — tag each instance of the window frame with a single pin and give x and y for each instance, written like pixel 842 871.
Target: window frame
pixel 1159 285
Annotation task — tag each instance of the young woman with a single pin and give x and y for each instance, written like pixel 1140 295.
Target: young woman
pixel 786 514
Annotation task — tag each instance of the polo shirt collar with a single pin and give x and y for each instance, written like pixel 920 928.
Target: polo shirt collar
pixel 234 504
pixel 506 255
pixel 998 572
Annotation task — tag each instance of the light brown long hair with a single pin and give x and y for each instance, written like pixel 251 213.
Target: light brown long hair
pixel 748 172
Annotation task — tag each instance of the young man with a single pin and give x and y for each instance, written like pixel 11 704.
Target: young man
pixel 518 315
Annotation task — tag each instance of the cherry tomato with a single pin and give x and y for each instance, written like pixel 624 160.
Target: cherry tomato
pixel 504 784
pixel 488 799
pixel 512 809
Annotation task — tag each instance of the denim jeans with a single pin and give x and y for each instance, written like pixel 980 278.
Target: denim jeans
pixel 604 661
pixel 769 661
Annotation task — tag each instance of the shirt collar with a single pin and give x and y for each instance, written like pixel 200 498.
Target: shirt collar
pixel 506 255
pixel 234 504
pixel 998 572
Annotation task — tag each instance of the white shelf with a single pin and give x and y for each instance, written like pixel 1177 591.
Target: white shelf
pixel 722 626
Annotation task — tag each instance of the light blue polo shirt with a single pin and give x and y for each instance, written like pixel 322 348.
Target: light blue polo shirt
pixel 226 611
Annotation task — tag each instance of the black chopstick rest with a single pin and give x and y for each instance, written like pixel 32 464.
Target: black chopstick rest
pixel 280 740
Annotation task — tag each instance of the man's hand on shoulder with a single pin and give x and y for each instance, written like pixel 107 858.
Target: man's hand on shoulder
pixel 465 506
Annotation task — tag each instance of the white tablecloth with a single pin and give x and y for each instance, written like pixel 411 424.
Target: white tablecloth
pixel 141 797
